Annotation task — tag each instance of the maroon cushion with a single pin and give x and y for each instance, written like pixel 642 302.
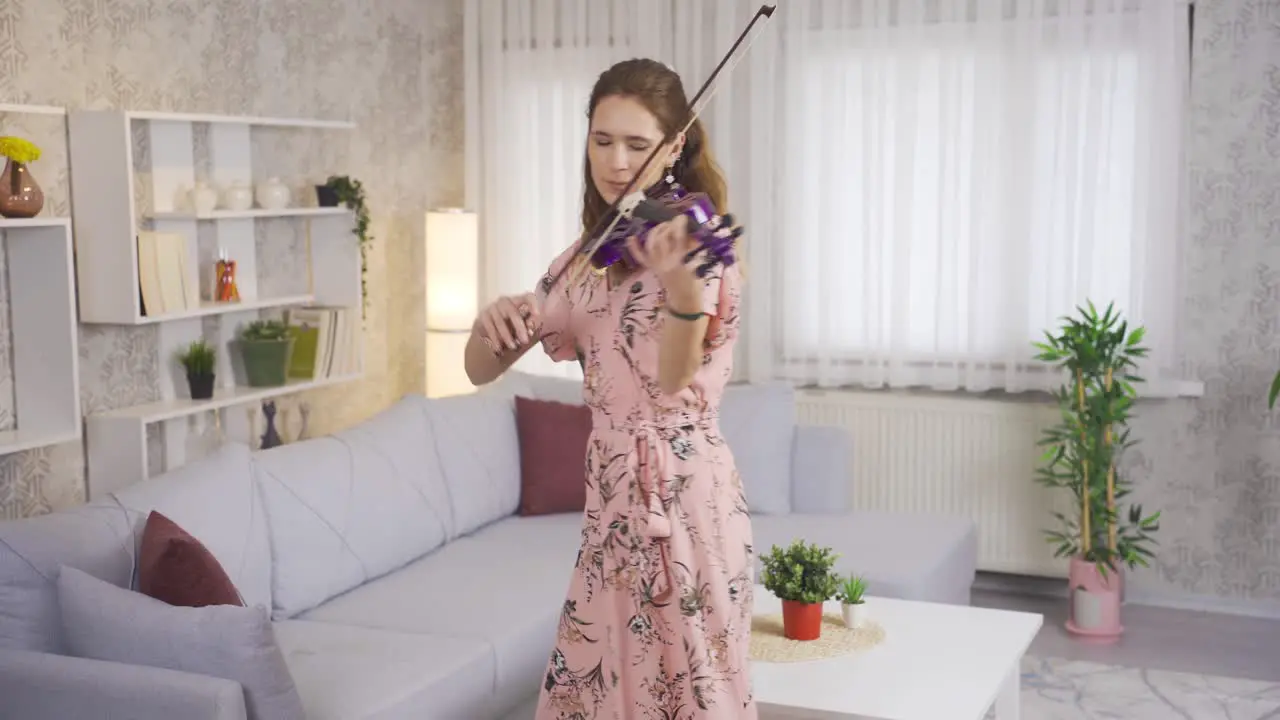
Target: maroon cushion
pixel 553 455
pixel 175 567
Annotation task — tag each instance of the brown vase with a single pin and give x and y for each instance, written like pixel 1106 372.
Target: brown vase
pixel 20 194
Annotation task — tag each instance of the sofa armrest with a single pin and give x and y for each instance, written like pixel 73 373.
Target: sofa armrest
pixel 820 457
pixel 45 685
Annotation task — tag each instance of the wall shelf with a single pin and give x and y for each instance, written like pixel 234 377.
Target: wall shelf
pixel 134 172
pixel 46 356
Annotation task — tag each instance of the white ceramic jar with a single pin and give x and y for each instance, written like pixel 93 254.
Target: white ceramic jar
pixel 204 199
pixel 237 196
pixel 273 194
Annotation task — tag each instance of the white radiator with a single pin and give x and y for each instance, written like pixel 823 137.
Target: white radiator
pixel 966 456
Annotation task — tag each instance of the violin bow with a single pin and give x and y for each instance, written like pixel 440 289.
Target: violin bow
pixel 596 237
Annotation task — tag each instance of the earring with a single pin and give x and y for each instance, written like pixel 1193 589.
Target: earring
pixel 671 177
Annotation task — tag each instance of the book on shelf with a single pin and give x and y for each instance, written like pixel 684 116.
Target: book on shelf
pixel 165 283
pixel 324 342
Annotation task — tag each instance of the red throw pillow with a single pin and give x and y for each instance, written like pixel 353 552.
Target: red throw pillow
pixel 178 569
pixel 553 455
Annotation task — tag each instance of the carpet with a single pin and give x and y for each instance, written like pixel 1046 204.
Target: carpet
pixel 1057 689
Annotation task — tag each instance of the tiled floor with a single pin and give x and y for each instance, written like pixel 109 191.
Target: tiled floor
pixel 1158 638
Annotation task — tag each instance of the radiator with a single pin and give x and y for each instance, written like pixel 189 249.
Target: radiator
pixel 972 456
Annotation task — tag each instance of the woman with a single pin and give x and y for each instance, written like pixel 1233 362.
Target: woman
pixel 658 615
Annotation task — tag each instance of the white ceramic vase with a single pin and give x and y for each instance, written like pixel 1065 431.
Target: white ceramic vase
pixel 204 199
pixel 273 194
pixel 854 615
pixel 237 196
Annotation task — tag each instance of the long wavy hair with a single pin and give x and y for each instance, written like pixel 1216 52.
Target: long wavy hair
pixel 660 90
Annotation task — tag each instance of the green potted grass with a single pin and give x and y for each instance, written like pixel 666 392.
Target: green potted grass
pixel 265 346
pixel 199 360
pixel 853 606
pixel 801 577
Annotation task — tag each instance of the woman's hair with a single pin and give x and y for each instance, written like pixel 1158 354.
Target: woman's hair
pixel 659 89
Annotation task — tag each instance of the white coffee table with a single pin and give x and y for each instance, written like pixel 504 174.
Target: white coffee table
pixel 937 662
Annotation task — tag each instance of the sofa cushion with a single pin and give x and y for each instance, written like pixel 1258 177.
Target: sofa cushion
pixel 345 672
pixel 96 537
pixel 553 453
pixel 105 622
pixel 758 422
pixel 515 610
pixel 216 500
pixel 479 450
pixel 928 557
pixel 346 508
pixel 175 568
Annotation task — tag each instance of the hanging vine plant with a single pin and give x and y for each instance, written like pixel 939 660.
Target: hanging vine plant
pixel 350 192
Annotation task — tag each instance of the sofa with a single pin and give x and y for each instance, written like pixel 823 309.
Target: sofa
pixel 391 567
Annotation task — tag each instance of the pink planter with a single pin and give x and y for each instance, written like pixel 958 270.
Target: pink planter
pixel 1094 602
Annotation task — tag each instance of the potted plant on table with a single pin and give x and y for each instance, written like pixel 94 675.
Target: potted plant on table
pixel 801 577
pixel 265 346
pixel 199 360
pixel 1099 355
pixel 853 607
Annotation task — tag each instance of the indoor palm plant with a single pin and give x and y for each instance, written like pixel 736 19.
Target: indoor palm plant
pixel 1099 356
pixel 801 576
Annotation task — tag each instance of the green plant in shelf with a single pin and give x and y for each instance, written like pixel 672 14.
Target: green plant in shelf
pixel 199 358
pixel 350 193
pixel 265 331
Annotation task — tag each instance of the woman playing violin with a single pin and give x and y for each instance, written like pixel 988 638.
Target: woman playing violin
pixel 657 618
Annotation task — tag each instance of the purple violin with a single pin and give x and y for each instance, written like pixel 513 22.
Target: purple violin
pixel 640 213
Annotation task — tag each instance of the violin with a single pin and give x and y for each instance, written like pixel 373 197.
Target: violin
pixel 635 213
pixel 640 213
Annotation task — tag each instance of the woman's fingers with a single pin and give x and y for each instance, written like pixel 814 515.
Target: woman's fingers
pixel 512 321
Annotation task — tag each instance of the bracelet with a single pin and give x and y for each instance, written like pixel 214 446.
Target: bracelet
pixel 691 317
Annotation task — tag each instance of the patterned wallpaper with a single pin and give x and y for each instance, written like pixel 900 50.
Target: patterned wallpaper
pixel 1212 464
pixel 394 67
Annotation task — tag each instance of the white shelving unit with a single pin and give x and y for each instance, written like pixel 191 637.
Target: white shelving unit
pixel 104 180
pixel 45 336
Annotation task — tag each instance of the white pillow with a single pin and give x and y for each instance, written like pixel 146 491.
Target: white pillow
pixel 104 622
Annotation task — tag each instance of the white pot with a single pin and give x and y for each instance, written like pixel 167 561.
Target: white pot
pixel 854 615
pixel 237 196
pixel 204 199
pixel 273 194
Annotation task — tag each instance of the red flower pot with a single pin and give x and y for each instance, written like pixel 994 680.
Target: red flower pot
pixel 801 621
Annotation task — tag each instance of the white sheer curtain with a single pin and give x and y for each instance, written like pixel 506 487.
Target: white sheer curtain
pixel 953 177
pixel 927 185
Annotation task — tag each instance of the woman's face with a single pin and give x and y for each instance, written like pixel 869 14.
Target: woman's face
pixel 623 133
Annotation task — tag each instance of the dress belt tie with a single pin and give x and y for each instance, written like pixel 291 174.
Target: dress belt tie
pixel 655 524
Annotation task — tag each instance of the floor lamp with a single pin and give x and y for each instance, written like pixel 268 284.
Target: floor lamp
pixel 452 297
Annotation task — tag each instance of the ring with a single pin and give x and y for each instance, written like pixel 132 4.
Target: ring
pixel 524 310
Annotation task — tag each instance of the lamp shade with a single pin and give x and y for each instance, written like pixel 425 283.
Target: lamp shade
pixel 453 268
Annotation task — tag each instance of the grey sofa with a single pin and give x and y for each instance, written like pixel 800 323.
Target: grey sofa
pixel 398 581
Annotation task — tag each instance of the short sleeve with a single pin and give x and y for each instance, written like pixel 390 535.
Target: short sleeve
pixel 557 338
pixel 721 300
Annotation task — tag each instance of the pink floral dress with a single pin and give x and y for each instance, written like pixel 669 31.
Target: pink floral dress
pixel 657 620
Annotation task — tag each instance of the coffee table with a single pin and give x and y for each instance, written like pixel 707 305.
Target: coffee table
pixel 936 662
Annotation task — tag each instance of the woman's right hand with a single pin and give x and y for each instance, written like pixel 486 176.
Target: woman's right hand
pixel 509 323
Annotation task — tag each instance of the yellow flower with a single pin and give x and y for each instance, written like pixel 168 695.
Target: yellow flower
pixel 19 150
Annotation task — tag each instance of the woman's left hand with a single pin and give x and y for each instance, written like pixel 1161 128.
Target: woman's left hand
pixel 668 251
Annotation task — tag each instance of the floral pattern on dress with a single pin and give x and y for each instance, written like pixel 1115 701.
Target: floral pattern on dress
pixel 657 618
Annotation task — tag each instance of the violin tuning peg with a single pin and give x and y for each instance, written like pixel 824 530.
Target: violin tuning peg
pixel 726 220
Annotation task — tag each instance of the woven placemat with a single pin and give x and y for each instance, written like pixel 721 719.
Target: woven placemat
pixel 769 644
